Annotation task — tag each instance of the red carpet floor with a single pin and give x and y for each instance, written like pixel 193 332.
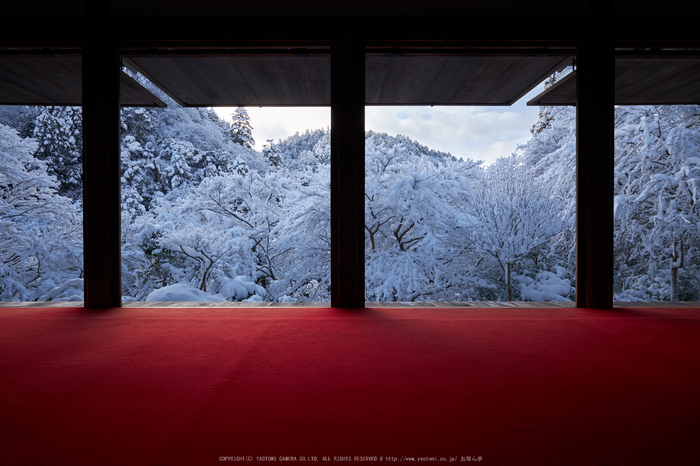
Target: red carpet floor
pixel 196 386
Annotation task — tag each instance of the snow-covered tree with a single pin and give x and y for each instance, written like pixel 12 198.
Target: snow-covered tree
pixel 303 237
pixel 550 158
pixel 222 229
pixel 241 130
pixel 204 216
pixel 22 118
pixel 271 153
pixel 40 231
pixel 414 224
pixel 59 133
pixel 511 215
pixel 298 146
pixel 657 218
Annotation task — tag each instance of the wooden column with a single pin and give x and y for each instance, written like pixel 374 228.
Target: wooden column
pixel 347 174
pixel 101 198
pixel 595 119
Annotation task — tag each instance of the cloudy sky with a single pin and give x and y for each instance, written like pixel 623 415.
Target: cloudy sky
pixel 479 133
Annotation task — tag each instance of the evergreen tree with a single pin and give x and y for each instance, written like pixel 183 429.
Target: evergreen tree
pixel 59 132
pixel 20 117
pixel 241 130
pixel 271 153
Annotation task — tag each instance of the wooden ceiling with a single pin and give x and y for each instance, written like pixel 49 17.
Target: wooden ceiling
pixel 304 80
pixel 240 81
pixel 57 80
pixel 455 80
pixel 639 81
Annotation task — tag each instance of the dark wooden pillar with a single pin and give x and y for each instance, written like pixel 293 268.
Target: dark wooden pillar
pixel 101 198
pixel 595 119
pixel 347 174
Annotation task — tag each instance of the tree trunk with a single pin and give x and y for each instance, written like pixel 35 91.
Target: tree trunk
pixel 509 270
pixel 677 259
pixel 674 284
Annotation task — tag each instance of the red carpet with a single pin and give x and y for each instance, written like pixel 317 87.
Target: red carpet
pixel 188 386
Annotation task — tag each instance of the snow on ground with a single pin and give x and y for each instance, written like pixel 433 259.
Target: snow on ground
pixel 71 290
pixel 182 292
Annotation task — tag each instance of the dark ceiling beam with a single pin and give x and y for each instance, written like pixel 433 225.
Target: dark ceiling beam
pixel 408 49
pixel 38 30
pixel 351 8
pixel 190 31
pixel 320 49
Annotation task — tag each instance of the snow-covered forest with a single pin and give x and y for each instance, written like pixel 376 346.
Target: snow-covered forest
pixel 206 217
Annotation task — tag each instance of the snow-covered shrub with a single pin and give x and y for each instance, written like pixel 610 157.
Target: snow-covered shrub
pixel 71 290
pixel 40 230
pixel 546 286
pixel 182 292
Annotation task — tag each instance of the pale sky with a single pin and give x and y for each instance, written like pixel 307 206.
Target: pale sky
pixel 479 133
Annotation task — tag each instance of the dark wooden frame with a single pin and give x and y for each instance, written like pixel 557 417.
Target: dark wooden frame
pixel 594 180
pixel 103 37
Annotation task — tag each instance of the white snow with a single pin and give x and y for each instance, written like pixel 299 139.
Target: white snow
pixel 238 288
pixel 253 299
pixel 182 292
pixel 547 286
pixel 201 209
pixel 71 290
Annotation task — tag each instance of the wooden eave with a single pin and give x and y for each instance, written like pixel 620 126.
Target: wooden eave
pixel 303 79
pixel 649 80
pixel 57 80
pixel 454 79
pixel 241 80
